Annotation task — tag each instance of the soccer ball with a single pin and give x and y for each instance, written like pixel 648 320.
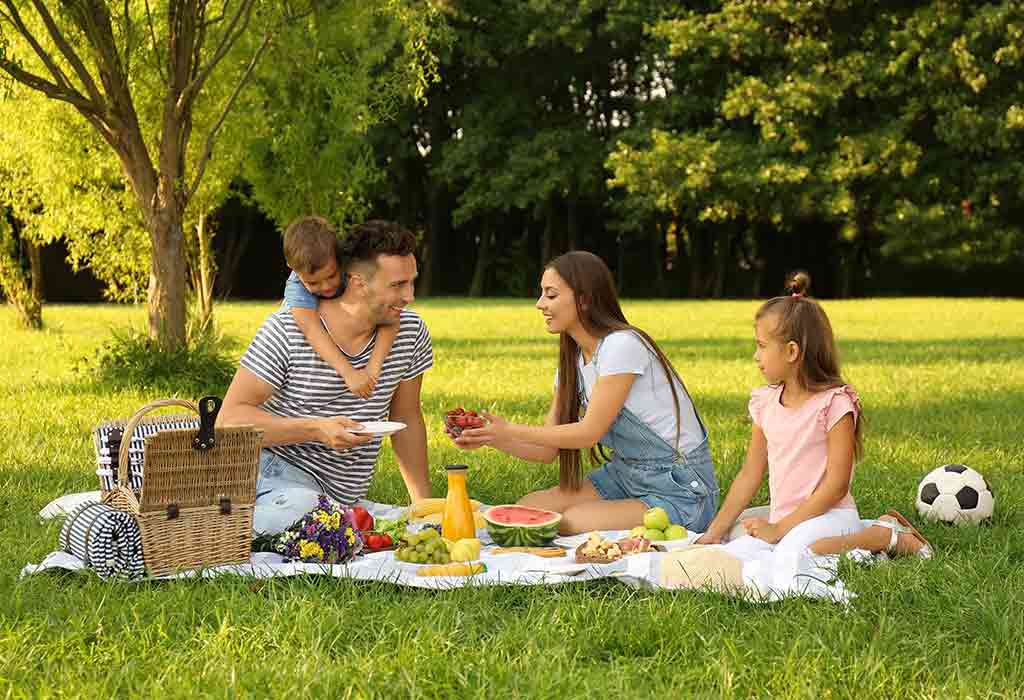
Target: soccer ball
pixel 955 493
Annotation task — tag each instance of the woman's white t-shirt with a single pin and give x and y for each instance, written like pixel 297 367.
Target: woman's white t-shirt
pixel 650 398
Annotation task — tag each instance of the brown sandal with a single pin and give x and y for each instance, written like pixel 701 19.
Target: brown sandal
pixel 903 526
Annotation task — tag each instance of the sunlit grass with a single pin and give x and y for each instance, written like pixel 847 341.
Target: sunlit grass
pixel 941 380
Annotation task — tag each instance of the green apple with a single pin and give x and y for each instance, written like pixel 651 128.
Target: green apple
pixel 675 532
pixel 654 535
pixel 656 519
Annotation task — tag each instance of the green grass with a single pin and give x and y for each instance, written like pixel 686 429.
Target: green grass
pixel 941 381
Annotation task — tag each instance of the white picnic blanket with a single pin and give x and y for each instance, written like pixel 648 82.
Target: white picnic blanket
pixel 765 578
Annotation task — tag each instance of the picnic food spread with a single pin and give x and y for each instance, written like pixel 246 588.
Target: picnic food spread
pixel 522 526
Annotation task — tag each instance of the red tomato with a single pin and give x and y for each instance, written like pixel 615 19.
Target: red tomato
pixel 362 519
pixel 386 540
pixel 375 541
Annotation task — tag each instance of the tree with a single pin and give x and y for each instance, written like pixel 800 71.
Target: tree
pixel 891 126
pixel 20 290
pixel 344 69
pixel 98 58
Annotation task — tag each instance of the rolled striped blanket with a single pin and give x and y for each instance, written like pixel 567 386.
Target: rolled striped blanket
pixel 107 540
pixel 106 463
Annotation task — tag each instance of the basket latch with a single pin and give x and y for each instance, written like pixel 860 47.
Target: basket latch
pixel 209 407
pixel 172 511
pixel 225 505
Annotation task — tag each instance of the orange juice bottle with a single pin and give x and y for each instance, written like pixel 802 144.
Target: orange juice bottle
pixel 458 513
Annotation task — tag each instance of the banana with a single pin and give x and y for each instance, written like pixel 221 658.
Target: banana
pixel 428 506
pixel 451 570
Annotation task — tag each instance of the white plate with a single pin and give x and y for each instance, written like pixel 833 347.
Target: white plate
pixel 380 427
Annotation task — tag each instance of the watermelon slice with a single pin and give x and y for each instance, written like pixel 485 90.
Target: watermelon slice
pixel 522 526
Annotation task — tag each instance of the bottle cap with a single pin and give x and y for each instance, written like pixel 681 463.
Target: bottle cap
pixel 457 467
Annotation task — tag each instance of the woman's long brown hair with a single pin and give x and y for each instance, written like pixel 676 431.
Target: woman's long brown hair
pixel 597 307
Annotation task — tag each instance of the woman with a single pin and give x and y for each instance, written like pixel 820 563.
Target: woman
pixel 635 405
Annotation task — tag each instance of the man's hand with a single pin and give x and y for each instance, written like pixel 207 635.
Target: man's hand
pixel 334 432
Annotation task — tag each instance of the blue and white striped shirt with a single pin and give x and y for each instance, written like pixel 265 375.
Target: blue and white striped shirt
pixel 307 387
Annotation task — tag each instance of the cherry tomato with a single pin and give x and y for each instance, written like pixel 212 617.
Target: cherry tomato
pixel 375 541
pixel 386 540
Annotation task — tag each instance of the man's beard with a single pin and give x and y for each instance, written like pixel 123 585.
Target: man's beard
pixel 379 314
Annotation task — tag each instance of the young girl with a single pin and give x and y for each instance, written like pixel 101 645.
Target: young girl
pixel 312 252
pixel 634 403
pixel 806 433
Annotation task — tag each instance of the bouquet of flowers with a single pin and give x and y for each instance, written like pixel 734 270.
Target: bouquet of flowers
pixel 325 535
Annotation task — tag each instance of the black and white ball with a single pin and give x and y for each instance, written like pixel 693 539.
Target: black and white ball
pixel 955 493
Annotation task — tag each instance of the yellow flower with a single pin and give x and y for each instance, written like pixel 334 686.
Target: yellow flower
pixel 310 550
pixel 335 521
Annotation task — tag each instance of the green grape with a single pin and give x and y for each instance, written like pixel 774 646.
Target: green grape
pixel 412 538
pixel 421 548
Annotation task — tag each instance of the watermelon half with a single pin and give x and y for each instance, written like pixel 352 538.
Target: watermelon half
pixel 522 526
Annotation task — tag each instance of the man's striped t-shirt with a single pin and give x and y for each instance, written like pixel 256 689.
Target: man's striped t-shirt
pixel 307 387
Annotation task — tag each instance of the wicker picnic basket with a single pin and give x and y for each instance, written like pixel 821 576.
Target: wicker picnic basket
pixel 196 503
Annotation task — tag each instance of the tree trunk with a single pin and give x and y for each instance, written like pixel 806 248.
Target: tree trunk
pixel 167 311
pixel 202 273
pixel 620 264
pixel 13 281
pixel 547 246
pixel 237 241
pixel 572 219
pixel 723 250
pixel 699 238
pixel 483 263
pixel 35 263
pixel 658 255
pixel 438 231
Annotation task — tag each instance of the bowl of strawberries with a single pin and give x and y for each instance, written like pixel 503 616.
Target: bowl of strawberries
pixel 458 419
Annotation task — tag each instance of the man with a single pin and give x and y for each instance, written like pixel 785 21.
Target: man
pixel 307 413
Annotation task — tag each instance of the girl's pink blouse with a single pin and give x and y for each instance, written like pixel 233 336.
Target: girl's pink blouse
pixel 798 442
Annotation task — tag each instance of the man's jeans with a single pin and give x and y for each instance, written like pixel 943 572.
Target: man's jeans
pixel 284 493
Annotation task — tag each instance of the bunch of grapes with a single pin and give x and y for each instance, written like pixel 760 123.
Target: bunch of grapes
pixel 424 547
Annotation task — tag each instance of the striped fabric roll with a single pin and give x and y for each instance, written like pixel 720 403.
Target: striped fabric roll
pixel 107 540
pixel 106 464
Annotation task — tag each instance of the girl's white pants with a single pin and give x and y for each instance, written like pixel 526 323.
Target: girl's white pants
pixel 838 521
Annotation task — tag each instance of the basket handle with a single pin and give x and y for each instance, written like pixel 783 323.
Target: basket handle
pixel 133 422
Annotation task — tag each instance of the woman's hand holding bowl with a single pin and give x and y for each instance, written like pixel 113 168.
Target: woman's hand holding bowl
pixel 487 434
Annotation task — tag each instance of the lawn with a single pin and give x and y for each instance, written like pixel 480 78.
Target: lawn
pixel 941 381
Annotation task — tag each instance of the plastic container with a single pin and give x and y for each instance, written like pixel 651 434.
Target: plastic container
pixel 458 520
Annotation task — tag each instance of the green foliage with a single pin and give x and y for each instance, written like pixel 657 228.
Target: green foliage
pixel 886 121
pixel 61 182
pixel 14 283
pixel 130 359
pixel 327 80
